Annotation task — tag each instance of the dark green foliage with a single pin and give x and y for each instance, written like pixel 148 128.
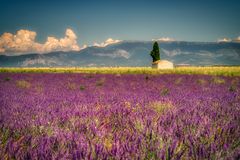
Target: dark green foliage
pixel 90 76
pixel 100 82
pixel 232 88
pixel 5 135
pixel 7 79
pixel 155 53
pixel 147 78
pixel 82 88
pixel 164 91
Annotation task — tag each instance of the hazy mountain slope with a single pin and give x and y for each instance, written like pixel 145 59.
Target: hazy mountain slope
pixel 133 54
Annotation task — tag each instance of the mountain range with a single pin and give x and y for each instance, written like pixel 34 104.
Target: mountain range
pixel 132 53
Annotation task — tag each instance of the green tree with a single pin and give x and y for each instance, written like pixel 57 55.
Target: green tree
pixel 155 53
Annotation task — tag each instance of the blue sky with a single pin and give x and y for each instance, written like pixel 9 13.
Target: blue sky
pixel 97 20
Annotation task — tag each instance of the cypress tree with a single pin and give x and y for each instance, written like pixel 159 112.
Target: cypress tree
pixel 155 53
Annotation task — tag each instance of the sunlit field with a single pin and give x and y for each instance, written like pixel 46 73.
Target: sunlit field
pixel 226 71
pixel 120 113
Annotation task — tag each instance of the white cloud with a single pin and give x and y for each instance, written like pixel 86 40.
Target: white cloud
pixel 172 53
pixel 164 39
pixel 121 53
pixel 40 61
pixel 106 43
pixel 83 47
pixel 116 54
pixel 24 41
pixel 52 43
pixel 237 39
pixel 233 53
pixel 206 54
pixel 224 40
pixel 69 42
pixel 175 52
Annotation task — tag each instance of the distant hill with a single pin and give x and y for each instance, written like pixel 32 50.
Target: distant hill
pixel 133 53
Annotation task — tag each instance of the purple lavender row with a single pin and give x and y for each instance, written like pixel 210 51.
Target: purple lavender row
pixel 91 116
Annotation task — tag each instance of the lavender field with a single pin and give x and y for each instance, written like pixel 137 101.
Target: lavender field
pixel 119 116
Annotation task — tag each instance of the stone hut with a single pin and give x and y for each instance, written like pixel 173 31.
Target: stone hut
pixel 162 64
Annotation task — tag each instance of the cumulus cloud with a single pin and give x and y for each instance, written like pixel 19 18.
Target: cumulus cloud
pixel 83 47
pixel 69 42
pixel 24 41
pixel 237 39
pixel 226 40
pixel 164 39
pixel 106 43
